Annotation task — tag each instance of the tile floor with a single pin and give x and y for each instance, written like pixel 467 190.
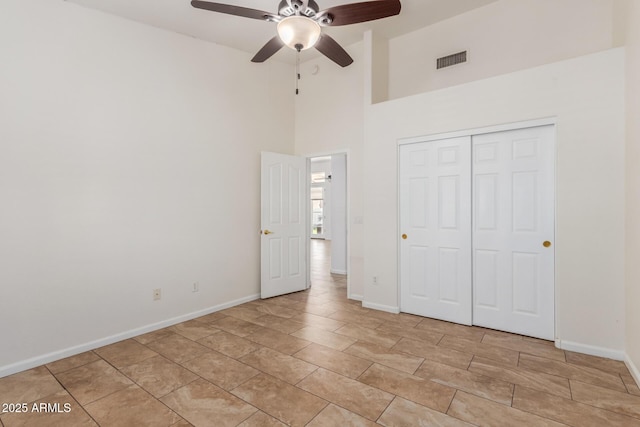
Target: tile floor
pixel 315 358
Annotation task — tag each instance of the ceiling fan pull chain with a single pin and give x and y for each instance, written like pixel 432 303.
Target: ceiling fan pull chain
pixel 297 71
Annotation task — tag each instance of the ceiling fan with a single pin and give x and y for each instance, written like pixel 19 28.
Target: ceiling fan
pixel 300 24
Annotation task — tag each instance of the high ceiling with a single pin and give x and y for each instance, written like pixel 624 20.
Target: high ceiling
pixel 250 35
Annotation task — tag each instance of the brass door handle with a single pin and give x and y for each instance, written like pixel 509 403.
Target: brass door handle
pixel 268 232
pixel 404 237
pixel 546 243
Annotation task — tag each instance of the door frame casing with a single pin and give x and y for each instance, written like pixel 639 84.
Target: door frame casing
pixel 546 121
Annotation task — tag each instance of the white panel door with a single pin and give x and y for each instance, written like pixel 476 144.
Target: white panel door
pixel 284 224
pixel 513 231
pixel 435 228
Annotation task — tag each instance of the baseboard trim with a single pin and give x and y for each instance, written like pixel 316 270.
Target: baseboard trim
pixel 381 307
pixel 91 345
pixel 590 349
pixel 356 297
pixel 633 369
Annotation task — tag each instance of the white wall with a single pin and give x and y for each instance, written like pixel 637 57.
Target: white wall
pixel 633 189
pixel 501 37
pixel 586 96
pixel 329 119
pixel 129 160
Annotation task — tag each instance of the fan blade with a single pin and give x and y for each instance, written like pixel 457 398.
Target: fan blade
pixel 268 50
pixel 355 13
pixel 234 10
pixel 332 50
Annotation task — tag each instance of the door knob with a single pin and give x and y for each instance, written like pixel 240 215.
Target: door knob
pixel 268 232
pixel 404 237
pixel 546 244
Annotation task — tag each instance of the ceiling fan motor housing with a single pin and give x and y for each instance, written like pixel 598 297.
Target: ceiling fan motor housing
pixel 296 7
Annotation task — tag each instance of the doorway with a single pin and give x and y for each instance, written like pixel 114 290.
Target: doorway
pixel 328 217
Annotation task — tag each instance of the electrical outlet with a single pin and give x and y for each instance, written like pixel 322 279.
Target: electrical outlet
pixel 157 294
pixel 375 280
pixel 196 287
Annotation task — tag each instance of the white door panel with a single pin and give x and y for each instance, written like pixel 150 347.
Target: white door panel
pixel 476 212
pixel 435 216
pixel 284 224
pixel 513 214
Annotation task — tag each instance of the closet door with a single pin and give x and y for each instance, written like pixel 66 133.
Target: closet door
pixel 513 231
pixel 435 229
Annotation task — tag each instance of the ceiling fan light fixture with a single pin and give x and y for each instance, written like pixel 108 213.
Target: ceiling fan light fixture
pixel 299 32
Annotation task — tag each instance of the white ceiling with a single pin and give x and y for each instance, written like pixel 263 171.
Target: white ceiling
pixel 250 35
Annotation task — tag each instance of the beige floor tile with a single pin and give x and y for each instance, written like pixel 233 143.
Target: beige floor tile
pixel 125 353
pixel 480 385
pixel 244 312
pixel 333 360
pixel 507 356
pixel 280 365
pixel 422 335
pixel 411 387
pixel 483 412
pixel 632 387
pixel 229 344
pixel 317 309
pixel 154 336
pixel 401 320
pixel 434 353
pixel 326 338
pixel 278 341
pixel 277 310
pixel 283 401
pixel 605 398
pixel 404 413
pixel 286 326
pixel 353 307
pixel 223 371
pixel 159 376
pixel 203 404
pixel 333 416
pixel 211 317
pixel 600 363
pixel 193 329
pixel 372 336
pixel 453 329
pixel 572 372
pixel 91 382
pixel 59 415
pixel 319 322
pixel 518 344
pixel 539 341
pixel 388 357
pixel 72 362
pixel 355 319
pixel 178 348
pixel 260 419
pixel 236 326
pixel 131 407
pixel 535 380
pixel 182 423
pixel 355 396
pixel 567 411
pixel 283 300
pixel 28 386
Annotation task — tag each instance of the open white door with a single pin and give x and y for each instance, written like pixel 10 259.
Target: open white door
pixel 284 224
